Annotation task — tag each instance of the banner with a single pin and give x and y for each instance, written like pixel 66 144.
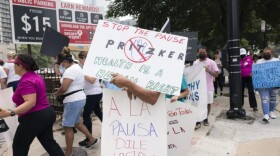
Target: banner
pixel 131 128
pixel 181 119
pixel 266 75
pixel 7 103
pixel 196 78
pixel 151 59
pixel 78 21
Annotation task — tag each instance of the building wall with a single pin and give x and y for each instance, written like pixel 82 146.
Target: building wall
pixel 5 22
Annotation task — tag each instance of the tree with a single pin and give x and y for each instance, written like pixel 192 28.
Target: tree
pixel 208 17
pixel 41 60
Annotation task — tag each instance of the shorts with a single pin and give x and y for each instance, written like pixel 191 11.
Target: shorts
pixel 72 111
pixel 210 98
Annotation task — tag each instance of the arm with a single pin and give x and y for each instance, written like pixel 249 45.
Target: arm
pixel 29 102
pixel 56 70
pixel 3 83
pixel 132 88
pixel 90 79
pixel 183 94
pixel 64 86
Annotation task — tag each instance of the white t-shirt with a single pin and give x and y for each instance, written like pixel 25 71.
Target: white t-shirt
pixel 92 89
pixel 12 76
pixel 74 73
pixel 264 61
pixel 2 73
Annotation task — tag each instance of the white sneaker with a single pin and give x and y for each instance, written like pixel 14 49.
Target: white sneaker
pixel 272 115
pixel 266 118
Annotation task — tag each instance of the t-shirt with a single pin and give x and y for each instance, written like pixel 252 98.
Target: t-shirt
pixel 2 73
pixel 209 78
pixel 246 66
pixel 12 76
pixel 75 73
pixel 264 60
pixel 184 86
pixel 31 83
pixel 92 88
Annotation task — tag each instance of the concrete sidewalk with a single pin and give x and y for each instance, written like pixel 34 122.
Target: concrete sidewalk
pixel 222 137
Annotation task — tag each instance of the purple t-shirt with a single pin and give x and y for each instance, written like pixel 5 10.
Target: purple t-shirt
pixel 31 83
pixel 246 66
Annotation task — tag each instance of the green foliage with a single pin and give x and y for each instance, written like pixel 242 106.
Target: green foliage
pixel 208 17
pixel 43 61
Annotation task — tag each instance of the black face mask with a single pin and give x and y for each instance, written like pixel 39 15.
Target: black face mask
pixel 242 56
pixel 202 56
pixel 267 56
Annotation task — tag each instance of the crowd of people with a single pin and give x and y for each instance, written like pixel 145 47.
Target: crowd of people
pixel 82 94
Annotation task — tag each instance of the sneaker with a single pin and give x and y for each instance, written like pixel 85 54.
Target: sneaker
pixel 215 95
pixel 272 115
pixel 255 109
pixel 205 122
pixel 221 94
pixel 89 146
pixel 84 142
pixel 266 118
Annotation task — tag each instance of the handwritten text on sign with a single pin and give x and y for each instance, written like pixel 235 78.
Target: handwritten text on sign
pixel 132 128
pixel 146 57
pixel 266 75
pixel 181 118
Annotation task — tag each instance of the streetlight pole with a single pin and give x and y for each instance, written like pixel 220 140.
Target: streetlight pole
pixel 263 29
pixel 233 43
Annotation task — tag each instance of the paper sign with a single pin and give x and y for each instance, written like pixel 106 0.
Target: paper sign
pixel 196 78
pixel 151 59
pixel 266 75
pixel 181 119
pixel 7 103
pixel 131 128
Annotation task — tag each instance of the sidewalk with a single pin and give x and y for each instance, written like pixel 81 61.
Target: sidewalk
pixel 223 137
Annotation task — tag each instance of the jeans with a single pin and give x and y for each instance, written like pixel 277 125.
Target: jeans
pixel 36 124
pixel 269 98
pixel 249 84
pixel 92 104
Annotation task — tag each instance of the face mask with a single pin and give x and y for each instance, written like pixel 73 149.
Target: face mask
pixel 267 56
pixel 202 56
pixel 242 56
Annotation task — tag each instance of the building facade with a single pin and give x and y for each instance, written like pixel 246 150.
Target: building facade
pixel 5 22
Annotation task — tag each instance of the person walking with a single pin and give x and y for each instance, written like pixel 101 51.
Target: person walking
pixel 36 117
pixel 268 95
pixel 211 71
pixel 219 80
pixel 13 78
pixel 93 93
pixel 72 83
pixel 246 63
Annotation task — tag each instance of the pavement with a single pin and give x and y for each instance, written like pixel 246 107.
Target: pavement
pixel 223 137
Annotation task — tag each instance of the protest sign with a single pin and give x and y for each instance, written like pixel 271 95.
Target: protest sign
pixel 151 59
pixel 132 127
pixel 12 122
pixel 196 78
pixel 181 119
pixel 266 75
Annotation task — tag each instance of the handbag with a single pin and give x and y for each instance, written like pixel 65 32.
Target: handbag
pixel 62 97
pixel 3 126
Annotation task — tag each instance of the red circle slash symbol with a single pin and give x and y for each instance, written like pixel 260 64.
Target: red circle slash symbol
pixel 138 49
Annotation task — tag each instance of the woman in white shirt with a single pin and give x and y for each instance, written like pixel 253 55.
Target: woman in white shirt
pixel 72 81
pixel 93 93
pixel 13 78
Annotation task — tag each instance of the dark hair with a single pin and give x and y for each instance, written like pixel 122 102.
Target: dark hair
pixel 82 54
pixel 255 56
pixel 28 61
pixel 64 55
pixel 1 62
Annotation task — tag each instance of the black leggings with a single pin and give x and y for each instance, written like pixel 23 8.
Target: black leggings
pixel 37 124
pixel 219 81
pixel 92 104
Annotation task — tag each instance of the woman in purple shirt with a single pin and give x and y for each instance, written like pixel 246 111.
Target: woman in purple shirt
pixel 36 117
